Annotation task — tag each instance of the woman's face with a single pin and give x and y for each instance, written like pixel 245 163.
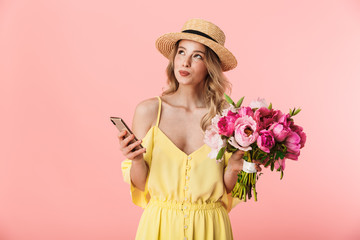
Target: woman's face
pixel 189 65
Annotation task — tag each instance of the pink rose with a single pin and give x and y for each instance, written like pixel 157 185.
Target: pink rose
pixel 232 116
pixel 265 117
pixel 299 131
pixel 293 156
pixel 233 142
pixel 285 120
pixel 245 131
pixel 226 125
pixel 246 111
pixel 280 131
pixel 293 145
pixel 266 140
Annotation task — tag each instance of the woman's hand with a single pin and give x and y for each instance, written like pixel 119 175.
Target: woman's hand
pixel 236 162
pixel 126 148
pixel 257 165
pixel 235 165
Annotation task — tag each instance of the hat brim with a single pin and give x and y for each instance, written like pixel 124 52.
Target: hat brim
pixel 166 43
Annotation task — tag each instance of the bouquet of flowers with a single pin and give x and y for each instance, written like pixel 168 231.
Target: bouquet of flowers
pixel 265 134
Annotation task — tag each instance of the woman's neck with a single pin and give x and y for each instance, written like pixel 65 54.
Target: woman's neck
pixel 189 97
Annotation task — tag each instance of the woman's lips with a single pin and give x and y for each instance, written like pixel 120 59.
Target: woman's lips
pixel 184 73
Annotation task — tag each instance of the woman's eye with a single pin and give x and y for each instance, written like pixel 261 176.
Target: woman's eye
pixel 198 56
pixel 181 52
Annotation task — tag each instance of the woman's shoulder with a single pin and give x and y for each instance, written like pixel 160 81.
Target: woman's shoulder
pixel 145 116
pixel 148 107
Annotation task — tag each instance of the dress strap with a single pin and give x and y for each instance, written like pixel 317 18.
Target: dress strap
pixel 159 111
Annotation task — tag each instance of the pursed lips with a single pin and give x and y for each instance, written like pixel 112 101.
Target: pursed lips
pixel 184 73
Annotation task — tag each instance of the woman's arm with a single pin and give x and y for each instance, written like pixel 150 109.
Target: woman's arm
pixel 138 173
pixel 142 121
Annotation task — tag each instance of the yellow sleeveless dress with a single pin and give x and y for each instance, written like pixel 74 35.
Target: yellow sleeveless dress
pixel 184 196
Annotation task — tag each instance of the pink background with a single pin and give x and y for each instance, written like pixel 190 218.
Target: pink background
pixel 67 66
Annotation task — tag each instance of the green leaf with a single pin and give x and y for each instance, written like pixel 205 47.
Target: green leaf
pixel 238 104
pixel 231 148
pixel 229 100
pixel 245 157
pixel 270 106
pixel 277 155
pixel 297 111
pixel 282 174
pixel 220 153
pixel 267 164
pixel 272 166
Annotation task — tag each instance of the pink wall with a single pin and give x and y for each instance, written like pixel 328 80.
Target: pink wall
pixel 66 66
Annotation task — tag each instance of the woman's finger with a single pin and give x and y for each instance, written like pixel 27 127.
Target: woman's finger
pixel 258 168
pixel 125 142
pixel 135 154
pixel 121 135
pixel 240 153
pixel 133 145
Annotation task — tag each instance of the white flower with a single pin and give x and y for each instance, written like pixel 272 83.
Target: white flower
pixel 213 153
pixel 259 103
pixel 215 120
pixel 213 139
pixel 226 111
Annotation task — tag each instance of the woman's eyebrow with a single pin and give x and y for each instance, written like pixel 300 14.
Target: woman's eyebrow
pixel 194 51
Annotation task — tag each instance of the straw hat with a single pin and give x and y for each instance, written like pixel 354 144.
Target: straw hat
pixel 203 32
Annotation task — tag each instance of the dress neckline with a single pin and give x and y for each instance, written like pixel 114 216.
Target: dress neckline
pixel 176 147
pixel 167 138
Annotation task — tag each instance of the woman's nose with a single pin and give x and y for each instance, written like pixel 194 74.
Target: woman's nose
pixel 187 62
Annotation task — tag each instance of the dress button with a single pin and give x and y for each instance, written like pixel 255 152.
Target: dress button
pixel 185 216
pixel 187 177
pixel 186 199
pixel 185 207
pixel 189 157
pixel 185 226
pixel 186 187
pixel 185 238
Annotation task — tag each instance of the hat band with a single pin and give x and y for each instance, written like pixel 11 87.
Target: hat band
pixel 199 33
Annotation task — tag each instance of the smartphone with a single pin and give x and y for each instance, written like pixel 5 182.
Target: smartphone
pixel 120 124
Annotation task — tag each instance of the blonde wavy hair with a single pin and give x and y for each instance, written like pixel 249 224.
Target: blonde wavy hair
pixel 216 84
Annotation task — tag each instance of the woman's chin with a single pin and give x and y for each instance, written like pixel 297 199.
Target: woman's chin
pixel 186 81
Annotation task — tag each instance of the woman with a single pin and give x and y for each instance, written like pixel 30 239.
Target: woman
pixel 186 195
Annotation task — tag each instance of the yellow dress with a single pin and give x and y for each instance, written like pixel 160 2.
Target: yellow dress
pixel 184 196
